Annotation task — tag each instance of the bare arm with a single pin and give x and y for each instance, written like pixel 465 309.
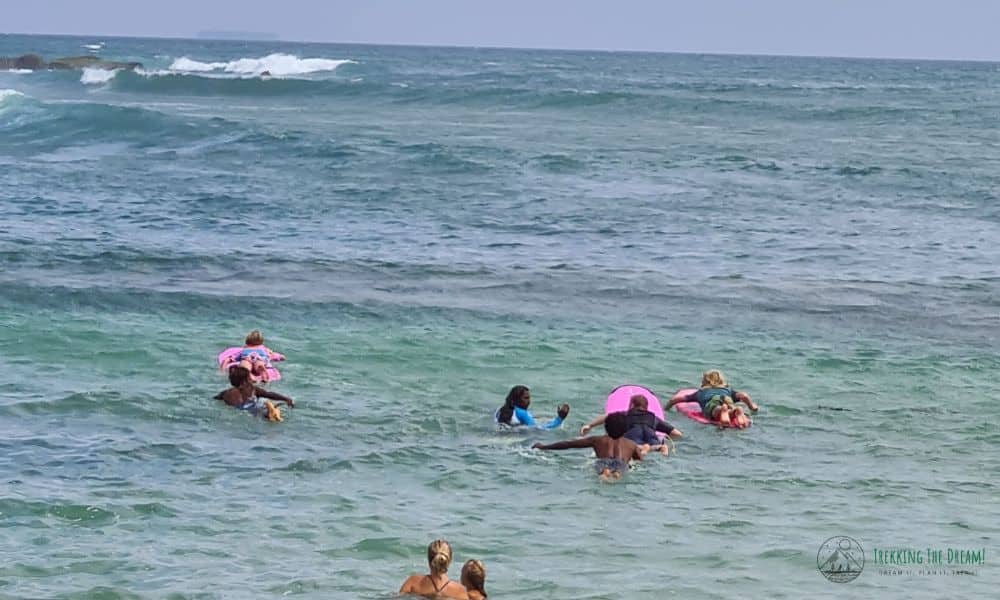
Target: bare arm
pixel 261 392
pixel 597 421
pixel 587 442
pixel 232 397
pixel 668 429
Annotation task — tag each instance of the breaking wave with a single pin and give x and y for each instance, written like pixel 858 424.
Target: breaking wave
pixel 277 65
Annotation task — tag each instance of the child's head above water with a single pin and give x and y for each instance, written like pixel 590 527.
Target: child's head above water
pixel 638 401
pixel 616 425
pixel 474 575
pixel 254 338
pixel 713 378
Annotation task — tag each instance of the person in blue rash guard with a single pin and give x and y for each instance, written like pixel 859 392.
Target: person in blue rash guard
pixel 514 411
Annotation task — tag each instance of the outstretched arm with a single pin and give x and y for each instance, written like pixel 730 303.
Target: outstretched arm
pixel 668 429
pixel 745 399
pixel 526 419
pixel 275 356
pixel 261 392
pixel 587 442
pixel 594 423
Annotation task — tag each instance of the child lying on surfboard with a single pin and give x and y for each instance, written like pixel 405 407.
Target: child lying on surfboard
pixel 254 357
pixel 614 451
pixel 718 401
pixel 642 425
pixel 244 395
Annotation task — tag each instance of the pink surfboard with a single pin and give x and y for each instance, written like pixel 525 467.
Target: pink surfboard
pixel 618 401
pixel 692 410
pixel 228 357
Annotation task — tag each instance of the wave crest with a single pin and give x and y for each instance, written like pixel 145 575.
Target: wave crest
pixel 8 97
pixel 278 65
pixel 97 76
pixel 8 93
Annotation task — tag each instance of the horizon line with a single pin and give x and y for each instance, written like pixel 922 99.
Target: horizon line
pixel 194 37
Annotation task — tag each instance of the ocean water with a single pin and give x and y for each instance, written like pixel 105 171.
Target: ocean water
pixel 418 229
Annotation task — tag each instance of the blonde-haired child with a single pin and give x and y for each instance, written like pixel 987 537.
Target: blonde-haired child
pixel 718 400
pixel 256 357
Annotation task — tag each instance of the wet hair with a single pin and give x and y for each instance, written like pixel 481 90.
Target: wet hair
pixel 638 401
pixel 439 556
pixel 238 375
pixel 713 378
pixel 616 425
pixel 474 576
pixel 254 338
pixel 515 398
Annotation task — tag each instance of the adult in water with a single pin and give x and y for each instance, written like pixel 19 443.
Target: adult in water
pixel 436 583
pixel 614 451
pixel 244 395
pixel 515 410
pixel 642 424
pixel 474 579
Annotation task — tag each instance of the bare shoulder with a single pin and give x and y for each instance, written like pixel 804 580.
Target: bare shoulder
pixel 231 396
pixel 455 590
pixel 411 584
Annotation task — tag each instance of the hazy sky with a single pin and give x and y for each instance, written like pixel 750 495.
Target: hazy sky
pixel 885 28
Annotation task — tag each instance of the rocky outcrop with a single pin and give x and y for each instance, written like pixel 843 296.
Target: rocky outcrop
pixel 27 61
pixel 36 63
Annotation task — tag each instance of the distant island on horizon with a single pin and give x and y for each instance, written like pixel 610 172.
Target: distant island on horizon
pixel 249 36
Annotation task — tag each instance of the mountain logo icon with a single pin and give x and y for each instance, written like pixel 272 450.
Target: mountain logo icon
pixel 840 559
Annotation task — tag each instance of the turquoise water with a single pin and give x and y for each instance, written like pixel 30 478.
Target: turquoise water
pixel 418 229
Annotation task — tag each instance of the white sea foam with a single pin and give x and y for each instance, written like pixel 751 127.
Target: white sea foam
pixel 278 65
pixel 94 47
pixel 6 96
pixel 18 71
pixel 97 76
pixel 186 64
pixel 7 93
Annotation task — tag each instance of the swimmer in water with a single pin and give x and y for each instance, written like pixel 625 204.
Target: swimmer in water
pixel 436 583
pixel 614 451
pixel 474 579
pixel 244 395
pixel 514 411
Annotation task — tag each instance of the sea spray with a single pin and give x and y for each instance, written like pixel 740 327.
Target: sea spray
pixel 97 76
pixel 278 65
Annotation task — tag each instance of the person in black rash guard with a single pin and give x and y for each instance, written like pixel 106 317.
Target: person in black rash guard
pixel 642 424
